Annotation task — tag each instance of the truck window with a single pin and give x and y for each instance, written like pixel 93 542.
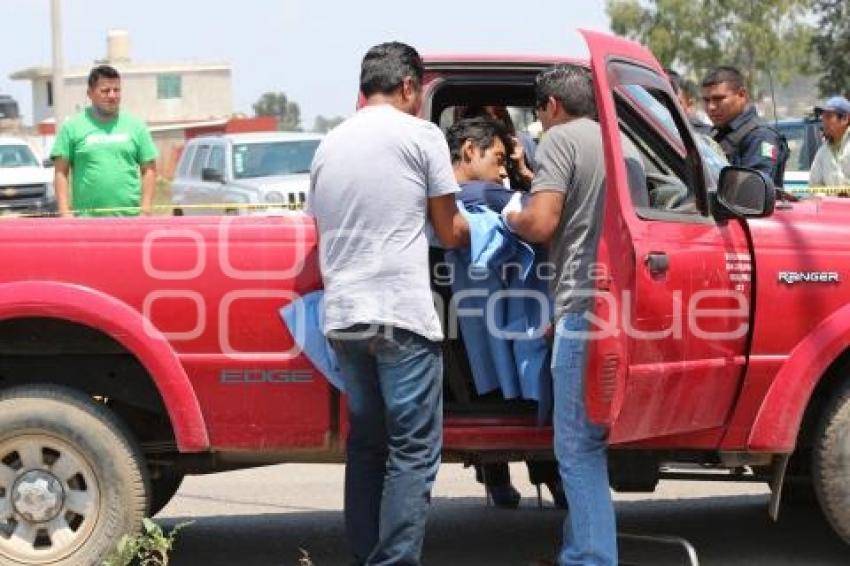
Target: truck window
pixel 199 160
pixel 186 161
pixel 273 158
pixel 216 160
pixel 17 156
pixel 672 162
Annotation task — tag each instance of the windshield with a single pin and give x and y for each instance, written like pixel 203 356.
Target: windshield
pixel 17 156
pixel 273 158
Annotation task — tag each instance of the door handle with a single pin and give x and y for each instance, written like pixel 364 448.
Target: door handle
pixel 657 262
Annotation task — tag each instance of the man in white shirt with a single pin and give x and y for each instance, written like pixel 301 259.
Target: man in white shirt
pixel 377 180
pixel 831 166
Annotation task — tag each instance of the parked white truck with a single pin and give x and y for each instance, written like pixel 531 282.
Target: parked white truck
pixel 26 181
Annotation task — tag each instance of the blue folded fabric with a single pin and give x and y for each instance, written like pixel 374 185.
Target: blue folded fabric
pixel 511 354
pixel 491 359
pixel 303 318
pixel 492 245
pixel 531 316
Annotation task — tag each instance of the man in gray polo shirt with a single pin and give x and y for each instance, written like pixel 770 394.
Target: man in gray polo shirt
pixel 376 181
pixel 565 211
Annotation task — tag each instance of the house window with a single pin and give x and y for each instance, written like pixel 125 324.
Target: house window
pixel 169 86
pixel 50 94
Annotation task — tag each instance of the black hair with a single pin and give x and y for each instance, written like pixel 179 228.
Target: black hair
pixel 385 67
pixel 725 74
pixel 570 85
pixel 102 72
pixel 481 131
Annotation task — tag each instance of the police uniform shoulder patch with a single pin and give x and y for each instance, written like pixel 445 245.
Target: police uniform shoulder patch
pixel 768 150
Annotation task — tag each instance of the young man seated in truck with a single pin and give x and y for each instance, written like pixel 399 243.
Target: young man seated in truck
pixel 480 149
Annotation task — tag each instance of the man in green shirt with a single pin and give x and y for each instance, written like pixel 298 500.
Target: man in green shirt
pixel 109 153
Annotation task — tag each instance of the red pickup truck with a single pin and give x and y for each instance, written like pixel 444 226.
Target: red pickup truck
pixel 134 351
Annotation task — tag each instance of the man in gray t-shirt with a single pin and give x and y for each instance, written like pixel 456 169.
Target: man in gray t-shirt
pixel 565 211
pixel 373 176
pixel 376 181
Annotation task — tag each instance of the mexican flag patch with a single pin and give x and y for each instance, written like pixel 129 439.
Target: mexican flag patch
pixel 768 150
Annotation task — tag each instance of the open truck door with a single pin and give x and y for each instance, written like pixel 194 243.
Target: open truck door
pixel 675 292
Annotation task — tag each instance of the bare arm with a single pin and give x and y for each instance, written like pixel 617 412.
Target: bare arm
pixel 451 227
pixel 538 221
pixel 61 169
pixel 148 186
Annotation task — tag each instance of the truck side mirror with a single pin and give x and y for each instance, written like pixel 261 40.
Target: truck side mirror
pixel 745 193
pixel 47 163
pixel 211 175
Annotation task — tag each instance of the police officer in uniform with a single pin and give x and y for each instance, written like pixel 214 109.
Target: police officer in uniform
pixel 747 140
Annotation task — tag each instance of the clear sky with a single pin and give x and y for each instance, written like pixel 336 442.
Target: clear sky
pixel 309 49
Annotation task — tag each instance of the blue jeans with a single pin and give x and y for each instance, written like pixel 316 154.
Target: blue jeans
pixel 590 531
pixel 395 410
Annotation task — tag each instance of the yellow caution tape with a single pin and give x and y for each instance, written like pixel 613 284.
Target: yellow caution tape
pixel 835 190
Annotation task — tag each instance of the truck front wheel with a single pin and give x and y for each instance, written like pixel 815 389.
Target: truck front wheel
pixel 831 462
pixel 71 478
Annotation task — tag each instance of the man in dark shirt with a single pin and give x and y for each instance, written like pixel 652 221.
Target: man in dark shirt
pixel 745 138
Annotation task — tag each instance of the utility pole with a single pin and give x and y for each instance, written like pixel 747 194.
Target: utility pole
pixel 58 81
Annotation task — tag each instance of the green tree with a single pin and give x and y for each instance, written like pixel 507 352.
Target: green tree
pixel 324 125
pixel 277 104
pixel 831 46
pixel 754 35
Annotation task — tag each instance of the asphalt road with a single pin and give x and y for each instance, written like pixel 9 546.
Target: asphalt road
pixel 264 516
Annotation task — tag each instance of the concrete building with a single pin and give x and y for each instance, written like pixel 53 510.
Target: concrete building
pixel 157 93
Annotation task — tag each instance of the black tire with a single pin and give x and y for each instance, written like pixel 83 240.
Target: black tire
pixel 177 212
pixel 64 436
pixel 165 481
pixel 831 463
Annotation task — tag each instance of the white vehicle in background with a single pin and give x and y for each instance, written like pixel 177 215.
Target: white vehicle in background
pixel 26 182
pixel 244 173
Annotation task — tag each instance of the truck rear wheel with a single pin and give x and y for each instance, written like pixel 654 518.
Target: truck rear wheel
pixel 831 463
pixel 71 479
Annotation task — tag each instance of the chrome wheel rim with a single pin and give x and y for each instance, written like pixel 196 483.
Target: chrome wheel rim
pixel 49 499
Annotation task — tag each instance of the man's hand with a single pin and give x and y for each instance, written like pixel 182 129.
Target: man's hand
pixel 518 157
pixel 539 220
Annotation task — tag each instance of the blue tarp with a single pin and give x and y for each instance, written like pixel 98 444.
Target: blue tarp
pixel 496 283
